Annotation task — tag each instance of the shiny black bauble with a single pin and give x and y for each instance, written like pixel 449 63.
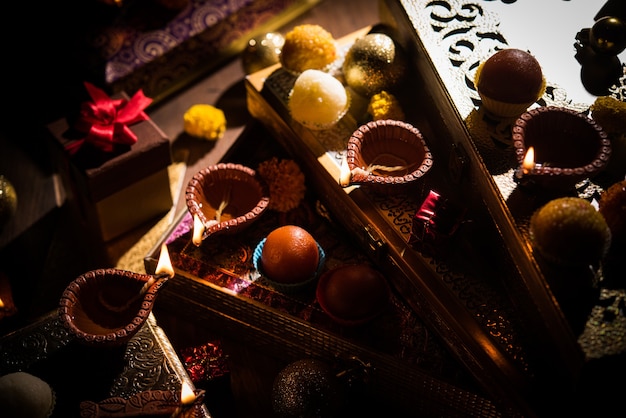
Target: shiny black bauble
pixel 608 36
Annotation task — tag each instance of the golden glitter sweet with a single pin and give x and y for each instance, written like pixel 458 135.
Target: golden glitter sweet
pixel 384 105
pixel 285 182
pixel 570 231
pixel 25 395
pixel 318 100
pixel 205 121
pixel 509 81
pixel 308 47
pixel 374 63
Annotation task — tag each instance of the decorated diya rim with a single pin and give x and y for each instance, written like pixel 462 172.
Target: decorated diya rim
pixel 230 189
pixel 388 144
pixel 85 313
pixel 378 310
pixel 587 138
pixel 287 288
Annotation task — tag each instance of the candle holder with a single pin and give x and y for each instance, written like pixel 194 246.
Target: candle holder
pixel 106 307
pixel 569 147
pixel 226 198
pixel 386 156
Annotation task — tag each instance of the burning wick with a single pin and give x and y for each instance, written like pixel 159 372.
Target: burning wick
pixel 529 161
pixel 198 230
pixel 1 304
pixel 187 399
pixel 344 174
pixel 164 270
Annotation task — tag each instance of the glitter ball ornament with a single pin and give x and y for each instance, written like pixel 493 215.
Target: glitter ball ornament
pixel 374 63
pixel 262 51
pixel 307 388
pixel 8 201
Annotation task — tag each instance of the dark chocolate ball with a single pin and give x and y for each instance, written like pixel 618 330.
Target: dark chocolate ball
pixel 512 76
pixel 307 388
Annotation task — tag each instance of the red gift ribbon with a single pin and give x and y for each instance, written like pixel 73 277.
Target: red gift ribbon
pixel 106 121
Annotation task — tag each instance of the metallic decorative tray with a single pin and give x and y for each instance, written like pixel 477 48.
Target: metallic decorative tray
pixel 447 41
pixel 80 373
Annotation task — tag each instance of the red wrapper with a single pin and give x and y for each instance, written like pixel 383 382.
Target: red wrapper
pixel 434 223
pixel 205 362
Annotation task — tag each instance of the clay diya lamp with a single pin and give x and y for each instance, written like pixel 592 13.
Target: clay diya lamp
pixel 386 156
pixel 107 307
pixel 557 148
pixel 224 199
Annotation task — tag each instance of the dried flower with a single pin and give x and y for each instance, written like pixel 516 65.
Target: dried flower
pixel 384 105
pixel 285 182
pixel 205 121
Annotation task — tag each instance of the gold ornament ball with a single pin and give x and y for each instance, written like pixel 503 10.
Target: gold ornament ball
pixel 374 63
pixel 8 201
pixel 262 51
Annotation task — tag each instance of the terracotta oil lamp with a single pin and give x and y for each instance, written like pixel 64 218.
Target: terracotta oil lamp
pixel 557 148
pixel 386 156
pixel 106 307
pixel 225 198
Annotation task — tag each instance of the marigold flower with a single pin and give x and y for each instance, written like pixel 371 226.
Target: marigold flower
pixel 205 121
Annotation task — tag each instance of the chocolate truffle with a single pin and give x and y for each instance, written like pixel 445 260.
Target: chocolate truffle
pixel 509 81
pixel 353 294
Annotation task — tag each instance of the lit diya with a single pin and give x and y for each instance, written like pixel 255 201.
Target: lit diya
pixel 387 156
pixel 106 307
pixel 225 198
pixel 558 148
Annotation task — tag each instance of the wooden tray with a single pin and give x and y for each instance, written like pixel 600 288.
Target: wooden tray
pixel 409 365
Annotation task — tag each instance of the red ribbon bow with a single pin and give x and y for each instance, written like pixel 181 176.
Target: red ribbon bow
pixel 105 121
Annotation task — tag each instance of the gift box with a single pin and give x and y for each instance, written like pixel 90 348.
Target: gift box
pixel 144 45
pixel 118 189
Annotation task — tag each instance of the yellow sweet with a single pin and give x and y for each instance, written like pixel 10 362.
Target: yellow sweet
pixel 205 121
pixel 308 47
